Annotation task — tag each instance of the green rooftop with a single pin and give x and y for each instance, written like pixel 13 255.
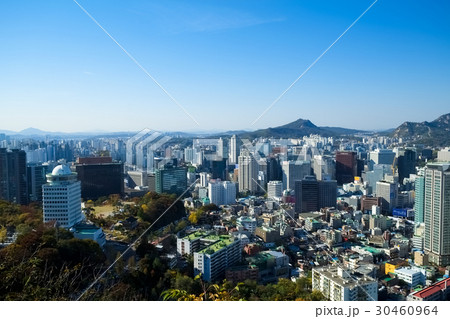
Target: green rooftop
pixel 195 235
pixel 222 242
pixel 372 250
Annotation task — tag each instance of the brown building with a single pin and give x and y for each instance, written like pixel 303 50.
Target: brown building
pixel 252 249
pixel 267 234
pixel 345 167
pixel 368 201
pixel 420 259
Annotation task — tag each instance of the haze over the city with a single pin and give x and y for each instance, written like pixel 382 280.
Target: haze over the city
pixel 224 62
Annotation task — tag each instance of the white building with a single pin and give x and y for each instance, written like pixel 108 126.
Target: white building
pixel 413 276
pixel 204 178
pixel 233 150
pixel 324 168
pixel 189 244
pixel 274 189
pixel 221 193
pixel 248 173
pixel 337 284
pixel 444 155
pixel 61 197
pixel 247 223
pixel 212 261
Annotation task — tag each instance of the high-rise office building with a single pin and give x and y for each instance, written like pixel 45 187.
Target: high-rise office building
pixel 387 191
pixel 248 173
pixel 345 167
pixel 419 199
pixel 274 189
pixel 274 172
pixel 233 150
pixel 172 180
pixel 36 174
pixel 312 195
pixel 324 167
pixel 381 156
pixel 294 171
pixel 61 197
pixel 99 176
pixel 437 213
pixel 406 163
pixel 13 176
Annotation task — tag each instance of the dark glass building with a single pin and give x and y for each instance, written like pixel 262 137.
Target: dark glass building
pixel 36 178
pixel 13 176
pixel 311 195
pixel 99 176
pixel 346 167
pixel 171 180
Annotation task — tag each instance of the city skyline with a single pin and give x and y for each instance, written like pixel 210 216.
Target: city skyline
pixel 61 72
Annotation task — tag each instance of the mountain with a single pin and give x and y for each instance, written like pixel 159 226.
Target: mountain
pixel 435 133
pixel 299 128
pixel 33 131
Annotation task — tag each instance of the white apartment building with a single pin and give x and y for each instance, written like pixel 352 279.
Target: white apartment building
pixel 337 284
pixel 212 261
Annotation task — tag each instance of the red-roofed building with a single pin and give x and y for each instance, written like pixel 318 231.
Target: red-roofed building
pixel 436 292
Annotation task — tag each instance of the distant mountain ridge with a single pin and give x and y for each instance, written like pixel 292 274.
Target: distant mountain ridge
pixel 300 128
pixel 436 132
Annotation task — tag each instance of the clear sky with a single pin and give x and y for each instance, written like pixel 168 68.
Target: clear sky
pixel 224 61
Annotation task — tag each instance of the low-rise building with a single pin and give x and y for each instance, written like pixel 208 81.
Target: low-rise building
pixel 436 292
pixel 271 265
pixel 89 231
pixel 338 284
pixel 413 276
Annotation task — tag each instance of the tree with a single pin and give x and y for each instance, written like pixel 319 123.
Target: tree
pixel 3 235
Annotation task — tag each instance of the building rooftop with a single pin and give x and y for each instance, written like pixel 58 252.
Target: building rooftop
pixel 61 170
pixel 83 228
pixel 192 236
pixel 351 281
pixel 441 285
pixel 408 270
pixel 222 242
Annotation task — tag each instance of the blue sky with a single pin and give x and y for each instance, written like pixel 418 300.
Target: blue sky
pixel 223 61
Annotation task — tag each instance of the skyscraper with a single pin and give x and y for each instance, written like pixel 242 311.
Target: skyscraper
pixel 172 180
pixel 274 189
pixel 294 171
pixel 406 163
pixel 36 174
pixel 345 167
pixel 388 192
pixel 437 213
pixel 312 195
pixel 233 150
pixel 324 167
pixel 13 176
pixel 419 200
pixel 61 197
pixel 248 173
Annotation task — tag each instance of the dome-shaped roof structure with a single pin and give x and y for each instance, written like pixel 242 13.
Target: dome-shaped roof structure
pixel 61 170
